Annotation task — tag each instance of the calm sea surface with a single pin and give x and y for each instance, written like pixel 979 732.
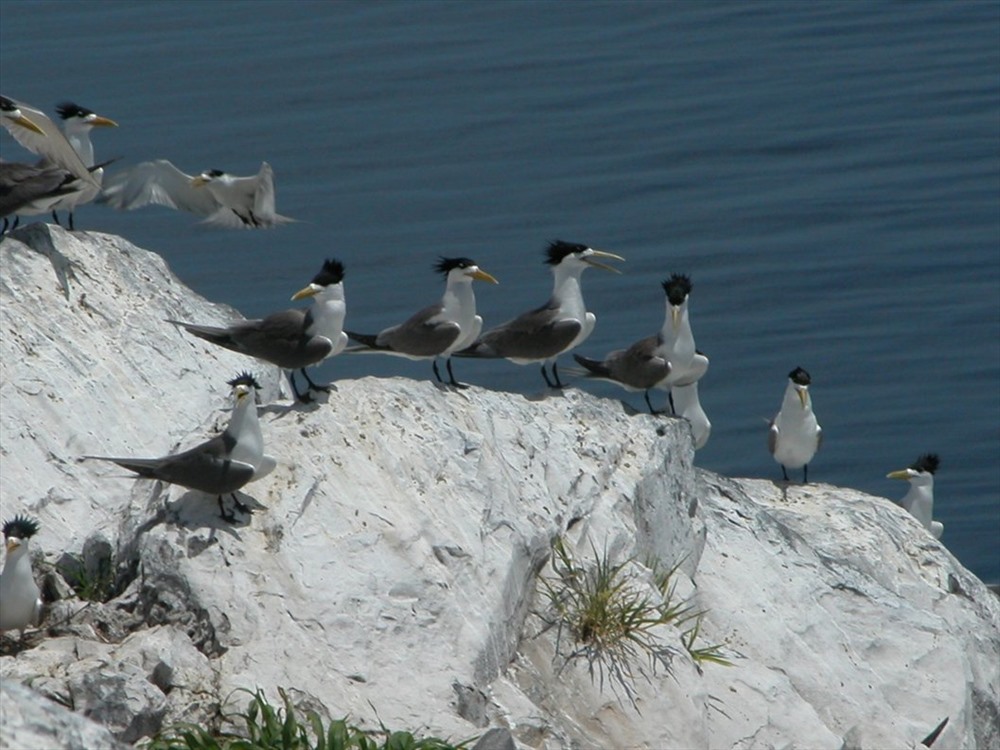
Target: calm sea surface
pixel 828 173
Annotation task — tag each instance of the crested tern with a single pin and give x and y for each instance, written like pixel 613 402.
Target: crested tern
pixel 291 339
pixel 221 465
pixel 28 189
pixel 919 499
pixel 10 115
pixel 685 401
pixel 20 598
pixel 676 341
pixel 70 148
pixel 439 329
pixel 559 325
pixel 794 435
pixel 637 368
pixel 224 200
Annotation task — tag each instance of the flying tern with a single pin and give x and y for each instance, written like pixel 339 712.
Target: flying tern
pixel 70 149
pixel 291 339
pixel 20 598
pixel 439 329
pixel 919 499
pixel 794 435
pixel 220 465
pixel 224 200
pixel 559 325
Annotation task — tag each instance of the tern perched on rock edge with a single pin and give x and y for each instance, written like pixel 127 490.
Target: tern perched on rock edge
pixel 676 340
pixel 69 149
pixel 637 368
pixel 220 465
pixel 795 435
pixel 20 598
pixel 919 499
pixel 291 339
pixel 29 189
pixel 223 199
pixel 439 329
pixel 559 325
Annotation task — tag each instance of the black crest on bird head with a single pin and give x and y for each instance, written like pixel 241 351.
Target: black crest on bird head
pixel 927 462
pixel 67 110
pixel 21 527
pixel 799 376
pixel 557 250
pixel 214 172
pixel 245 378
pixel 677 287
pixel 332 272
pixel 7 105
pixel 445 265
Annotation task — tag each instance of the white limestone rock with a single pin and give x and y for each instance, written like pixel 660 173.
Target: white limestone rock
pixel 393 557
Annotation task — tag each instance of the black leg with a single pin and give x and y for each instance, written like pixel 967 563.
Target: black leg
pixel 71 221
pixel 649 403
pixel 805 474
pixel 55 218
pixel 670 400
pixel 434 366
pixel 451 375
pixel 222 512
pixel 240 506
pixel 312 385
pixel 5 223
pixel 784 473
pixel 555 374
pixel 546 376
pixel 305 398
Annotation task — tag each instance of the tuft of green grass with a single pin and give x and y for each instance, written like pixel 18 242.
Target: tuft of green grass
pixel 90 585
pixel 611 619
pixel 283 728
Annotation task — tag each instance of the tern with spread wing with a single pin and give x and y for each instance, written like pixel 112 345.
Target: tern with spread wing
pixel 221 465
pixel 919 499
pixel 794 435
pixel 291 339
pixel 559 325
pixel 20 598
pixel 439 329
pixel 224 200
pixel 69 148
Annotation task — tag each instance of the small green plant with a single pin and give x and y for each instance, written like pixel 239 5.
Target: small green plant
pixel 96 585
pixel 282 728
pixel 612 621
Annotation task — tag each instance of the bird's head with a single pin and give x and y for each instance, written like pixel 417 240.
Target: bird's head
pixel 920 472
pixel 209 175
pixel 462 269
pixel 329 276
pixel 244 385
pixel 677 289
pixel 74 114
pixel 9 110
pixel 18 530
pixel 573 254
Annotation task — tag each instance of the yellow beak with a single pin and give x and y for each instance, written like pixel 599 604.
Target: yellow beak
pixel 901 474
pixel 24 122
pixel 306 292
pixel 602 266
pixel 483 276
pixel 104 122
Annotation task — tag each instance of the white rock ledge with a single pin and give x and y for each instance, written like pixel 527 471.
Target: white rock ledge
pixel 393 561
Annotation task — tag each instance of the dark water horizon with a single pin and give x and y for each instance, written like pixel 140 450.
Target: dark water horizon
pixel 828 174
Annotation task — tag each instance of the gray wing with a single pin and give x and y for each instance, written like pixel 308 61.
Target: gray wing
pixel 535 335
pixel 422 335
pixel 24 184
pixel 206 467
pixel 158 182
pixel 279 338
pixel 52 146
pixel 638 366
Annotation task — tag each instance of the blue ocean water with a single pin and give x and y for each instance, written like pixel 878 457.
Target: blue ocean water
pixel 828 173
